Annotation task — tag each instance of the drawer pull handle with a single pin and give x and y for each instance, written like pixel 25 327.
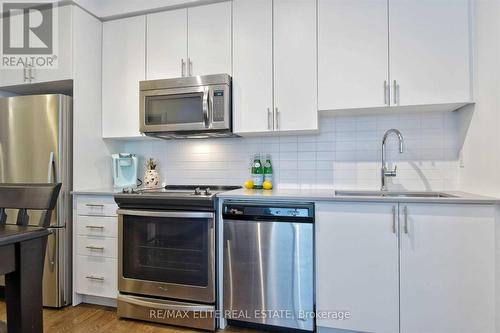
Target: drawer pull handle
pixel 92 247
pixel 95 278
pixel 101 227
pixel 95 205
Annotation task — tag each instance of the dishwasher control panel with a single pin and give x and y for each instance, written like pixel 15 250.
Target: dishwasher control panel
pixel 273 211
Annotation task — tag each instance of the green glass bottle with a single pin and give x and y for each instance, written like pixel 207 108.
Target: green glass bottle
pixel 257 172
pixel 268 169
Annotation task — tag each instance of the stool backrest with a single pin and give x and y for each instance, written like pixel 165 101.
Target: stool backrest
pixel 24 196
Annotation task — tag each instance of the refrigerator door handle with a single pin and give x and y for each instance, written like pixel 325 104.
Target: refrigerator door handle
pixel 51 173
pixel 52 251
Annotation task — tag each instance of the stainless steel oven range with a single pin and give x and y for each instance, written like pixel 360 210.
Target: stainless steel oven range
pixel 166 255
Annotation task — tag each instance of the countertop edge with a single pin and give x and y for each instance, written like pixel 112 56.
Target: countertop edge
pixel 464 198
pixel 95 192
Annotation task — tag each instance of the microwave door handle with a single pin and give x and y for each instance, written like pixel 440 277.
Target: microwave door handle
pixel 205 107
pixel 211 107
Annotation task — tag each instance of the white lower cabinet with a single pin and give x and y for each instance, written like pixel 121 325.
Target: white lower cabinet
pixel 406 267
pixel 96 276
pixel 95 248
pixel 447 268
pixel 357 265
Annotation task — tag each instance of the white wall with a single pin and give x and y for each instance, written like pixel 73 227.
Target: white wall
pixel 481 123
pixel 91 155
pixel 345 154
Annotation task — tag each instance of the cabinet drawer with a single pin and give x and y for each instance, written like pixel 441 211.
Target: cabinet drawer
pixel 96 246
pixel 97 206
pixel 96 276
pixel 97 226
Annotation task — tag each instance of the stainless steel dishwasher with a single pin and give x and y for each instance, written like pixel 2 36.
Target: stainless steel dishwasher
pixel 269 264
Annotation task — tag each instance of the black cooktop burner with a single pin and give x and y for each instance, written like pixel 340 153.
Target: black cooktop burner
pixel 172 197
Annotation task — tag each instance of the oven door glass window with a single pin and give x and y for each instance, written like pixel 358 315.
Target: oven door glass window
pixel 166 249
pixel 174 109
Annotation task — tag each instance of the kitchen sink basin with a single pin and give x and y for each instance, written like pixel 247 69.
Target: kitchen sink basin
pixel 392 194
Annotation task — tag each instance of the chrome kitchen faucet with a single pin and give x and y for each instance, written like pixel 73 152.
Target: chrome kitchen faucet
pixel 385 172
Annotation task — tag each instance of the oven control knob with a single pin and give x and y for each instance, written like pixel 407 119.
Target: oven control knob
pixel 207 191
pixel 197 191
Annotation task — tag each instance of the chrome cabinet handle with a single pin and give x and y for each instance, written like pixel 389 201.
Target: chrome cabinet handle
pixel 92 247
pixel 183 68
pixel 405 210
pixel 26 77
pixel 386 93
pixel 32 73
pixel 101 227
pixel 94 205
pixel 190 67
pixel 269 119
pixel 395 92
pixel 95 278
pixel 277 118
pixel 393 219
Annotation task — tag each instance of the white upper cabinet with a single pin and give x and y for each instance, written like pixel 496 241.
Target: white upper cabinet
pixel 447 268
pixel 63 50
pixel 252 66
pixel 430 51
pixel 166 44
pixel 123 66
pixel 295 69
pixel 190 41
pixel 376 53
pixel 352 54
pixel 209 39
pixel 357 265
pixel 274 70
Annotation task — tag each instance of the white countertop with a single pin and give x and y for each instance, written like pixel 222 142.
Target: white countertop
pixel 98 191
pixel 329 195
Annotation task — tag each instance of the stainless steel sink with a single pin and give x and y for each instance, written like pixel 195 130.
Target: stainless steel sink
pixel 392 194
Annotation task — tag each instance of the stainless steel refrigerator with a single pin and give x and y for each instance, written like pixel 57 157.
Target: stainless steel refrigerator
pixel 36 147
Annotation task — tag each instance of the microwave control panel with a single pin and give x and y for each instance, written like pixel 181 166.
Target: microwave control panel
pixel 218 105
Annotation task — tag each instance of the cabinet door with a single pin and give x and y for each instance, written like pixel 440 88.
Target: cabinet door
pixel 123 66
pixel 295 71
pixel 63 71
pixel 357 265
pixel 447 268
pixel 252 66
pixel 8 76
pixel 209 39
pixel 166 44
pixel 353 54
pixel 11 76
pixel 430 51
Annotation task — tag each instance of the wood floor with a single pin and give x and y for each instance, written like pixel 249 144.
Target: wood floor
pixel 86 318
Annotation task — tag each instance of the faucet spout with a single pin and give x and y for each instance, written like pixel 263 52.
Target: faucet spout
pixel 385 172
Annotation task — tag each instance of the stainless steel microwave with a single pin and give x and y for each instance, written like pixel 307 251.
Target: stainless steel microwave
pixel 187 107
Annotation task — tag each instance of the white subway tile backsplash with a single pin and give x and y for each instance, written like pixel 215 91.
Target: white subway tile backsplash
pixel 344 154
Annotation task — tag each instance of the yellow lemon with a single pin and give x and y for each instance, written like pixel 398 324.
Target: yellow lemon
pixel 267 185
pixel 248 184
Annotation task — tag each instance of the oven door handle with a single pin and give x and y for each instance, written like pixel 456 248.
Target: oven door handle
pixel 162 305
pixel 195 215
